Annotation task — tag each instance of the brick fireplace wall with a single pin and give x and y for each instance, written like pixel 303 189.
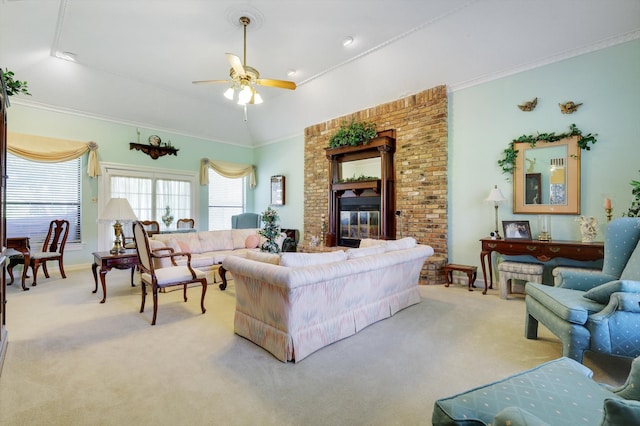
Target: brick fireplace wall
pixel 420 122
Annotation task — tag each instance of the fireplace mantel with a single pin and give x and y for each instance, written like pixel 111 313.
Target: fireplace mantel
pixel 383 146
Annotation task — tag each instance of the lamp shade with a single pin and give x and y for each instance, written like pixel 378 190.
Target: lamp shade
pixel 496 195
pixel 117 209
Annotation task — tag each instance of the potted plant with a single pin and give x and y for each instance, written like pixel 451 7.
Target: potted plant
pixel 271 231
pixel 14 86
pixel 353 134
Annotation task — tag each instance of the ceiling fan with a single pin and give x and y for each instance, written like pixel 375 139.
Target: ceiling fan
pixel 244 77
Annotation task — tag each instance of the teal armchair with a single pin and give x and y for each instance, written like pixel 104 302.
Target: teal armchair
pixel 597 310
pixel 559 392
pixel 246 221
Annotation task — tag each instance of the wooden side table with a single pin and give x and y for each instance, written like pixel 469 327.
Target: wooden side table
pixel 107 260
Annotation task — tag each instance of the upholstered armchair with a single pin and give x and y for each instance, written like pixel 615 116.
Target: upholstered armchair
pixel 559 392
pixel 590 309
pixel 246 221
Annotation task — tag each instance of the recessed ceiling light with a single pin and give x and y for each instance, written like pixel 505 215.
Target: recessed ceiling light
pixel 291 73
pixel 347 41
pixel 67 56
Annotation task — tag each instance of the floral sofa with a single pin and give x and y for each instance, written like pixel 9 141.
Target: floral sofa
pixel 296 303
pixel 208 248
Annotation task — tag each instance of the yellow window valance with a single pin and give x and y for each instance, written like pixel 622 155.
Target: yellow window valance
pixel 228 170
pixel 52 150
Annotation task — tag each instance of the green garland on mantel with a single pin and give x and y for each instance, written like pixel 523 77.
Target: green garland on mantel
pixel 508 162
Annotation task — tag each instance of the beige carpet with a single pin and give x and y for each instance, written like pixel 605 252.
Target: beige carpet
pixel 73 361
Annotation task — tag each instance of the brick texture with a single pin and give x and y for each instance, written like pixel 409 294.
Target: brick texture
pixel 420 122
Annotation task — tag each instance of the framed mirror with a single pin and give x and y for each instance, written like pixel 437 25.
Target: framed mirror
pixel 277 190
pixel 546 178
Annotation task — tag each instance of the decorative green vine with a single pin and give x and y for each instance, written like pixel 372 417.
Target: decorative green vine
pixel 355 178
pixel 14 86
pixel 634 210
pixel 508 161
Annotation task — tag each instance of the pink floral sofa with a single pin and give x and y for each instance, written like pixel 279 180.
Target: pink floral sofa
pixel 296 303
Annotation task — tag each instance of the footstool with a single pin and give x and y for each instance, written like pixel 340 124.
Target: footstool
pixel 471 271
pixel 517 271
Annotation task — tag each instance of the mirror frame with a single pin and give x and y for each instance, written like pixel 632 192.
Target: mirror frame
pixel 573 180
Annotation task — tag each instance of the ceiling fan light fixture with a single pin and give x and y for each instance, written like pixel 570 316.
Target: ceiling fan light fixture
pixel 245 95
pixel 256 99
pixel 229 93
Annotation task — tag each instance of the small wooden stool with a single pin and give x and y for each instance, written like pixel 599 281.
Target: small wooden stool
pixel 471 271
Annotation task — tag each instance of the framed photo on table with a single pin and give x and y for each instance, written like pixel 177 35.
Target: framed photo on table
pixel 516 229
pixel 277 190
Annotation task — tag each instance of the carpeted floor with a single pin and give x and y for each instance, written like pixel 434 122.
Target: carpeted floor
pixel 73 361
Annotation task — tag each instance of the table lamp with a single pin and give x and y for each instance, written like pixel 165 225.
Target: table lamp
pixel 496 196
pixel 117 209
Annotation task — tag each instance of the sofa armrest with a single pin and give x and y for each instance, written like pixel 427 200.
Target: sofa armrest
pixel 580 279
pixel 615 325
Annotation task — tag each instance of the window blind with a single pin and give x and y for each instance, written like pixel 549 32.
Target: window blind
pixel 226 198
pixel 38 193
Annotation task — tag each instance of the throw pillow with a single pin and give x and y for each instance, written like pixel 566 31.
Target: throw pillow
pixel 370 242
pixel 252 241
pixel 354 253
pixel 602 293
pixel 184 247
pixel 621 412
pixel 259 256
pixel 401 244
pixel 294 260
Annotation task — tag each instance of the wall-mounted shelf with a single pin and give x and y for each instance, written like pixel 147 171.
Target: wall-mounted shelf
pixel 154 151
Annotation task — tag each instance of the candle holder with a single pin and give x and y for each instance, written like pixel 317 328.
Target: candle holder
pixel 609 213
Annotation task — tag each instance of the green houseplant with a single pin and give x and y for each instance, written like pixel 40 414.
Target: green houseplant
pixel 271 231
pixel 353 134
pixel 14 86
pixel 634 210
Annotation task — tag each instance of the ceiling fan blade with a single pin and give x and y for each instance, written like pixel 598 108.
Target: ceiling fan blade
pixel 209 81
pixel 282 84
pixel 236 64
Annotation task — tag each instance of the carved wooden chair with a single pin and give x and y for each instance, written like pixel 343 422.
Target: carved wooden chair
pixel 185 224
pixel 52 249
pixel 151 226
pixel 158 278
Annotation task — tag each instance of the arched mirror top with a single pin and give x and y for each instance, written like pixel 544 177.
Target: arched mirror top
pixel 546 177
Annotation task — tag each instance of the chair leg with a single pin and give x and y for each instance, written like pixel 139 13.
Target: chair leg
pixel 45 270
pixel 184 292
pixel 531 328
pixel 154 292
pixel 204 291
pixel 10 271
pixel 35 265
pixel 61 268
pixel 144 296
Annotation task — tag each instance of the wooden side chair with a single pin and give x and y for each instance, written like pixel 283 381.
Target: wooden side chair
pixel 151 226
pixel 185 224
pixel 158 278
pixel 52 249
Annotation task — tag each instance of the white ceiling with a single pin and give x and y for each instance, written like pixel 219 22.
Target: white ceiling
pixel 136 59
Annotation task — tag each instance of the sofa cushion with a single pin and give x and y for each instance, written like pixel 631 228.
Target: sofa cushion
pixel 401 244
pixel 632 269
pixel 264 257
pixel 621 412
pixel 568 304
pixel 354 253
pixel 369 242
pixel 294 260
pixel 216 240
pixel 602 293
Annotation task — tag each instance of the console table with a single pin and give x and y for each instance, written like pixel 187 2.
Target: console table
pixel 544 251
pixel 107 260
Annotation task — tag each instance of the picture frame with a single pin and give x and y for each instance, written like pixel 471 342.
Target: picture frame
pixel 277 190
pixel 516 229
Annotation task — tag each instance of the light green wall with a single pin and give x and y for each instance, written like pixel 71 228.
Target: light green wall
pixel 283 158
pixel 483 119
pixel 113 140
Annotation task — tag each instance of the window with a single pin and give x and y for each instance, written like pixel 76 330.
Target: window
pixel 149 191
pixel 226 198
pixel 38 193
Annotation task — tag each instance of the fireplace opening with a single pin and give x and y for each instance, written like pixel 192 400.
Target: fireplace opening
pixel 359 218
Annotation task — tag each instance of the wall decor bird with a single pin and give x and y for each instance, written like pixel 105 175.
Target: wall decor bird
pixel 529 106
pixel 569 107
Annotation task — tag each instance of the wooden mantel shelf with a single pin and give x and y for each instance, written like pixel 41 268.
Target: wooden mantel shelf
pixel 358 186
pixel 154 151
